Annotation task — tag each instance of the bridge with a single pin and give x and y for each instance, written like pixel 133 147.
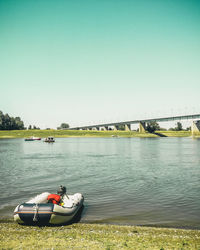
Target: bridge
pixel 142 123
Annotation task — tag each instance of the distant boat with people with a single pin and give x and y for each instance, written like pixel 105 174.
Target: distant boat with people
pixel 49 139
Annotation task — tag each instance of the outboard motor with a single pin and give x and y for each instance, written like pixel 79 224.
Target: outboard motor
pixel 62 190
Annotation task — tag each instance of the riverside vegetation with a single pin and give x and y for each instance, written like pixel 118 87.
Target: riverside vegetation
pixel 95 236
pixel 90 133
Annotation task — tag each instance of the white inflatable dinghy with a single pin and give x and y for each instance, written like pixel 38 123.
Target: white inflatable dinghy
pixel 39 211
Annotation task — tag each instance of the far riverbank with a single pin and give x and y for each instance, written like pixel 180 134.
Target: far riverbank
pixel 96 236
pixel 90 133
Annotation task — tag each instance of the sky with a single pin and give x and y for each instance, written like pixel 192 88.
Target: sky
pixel 85 62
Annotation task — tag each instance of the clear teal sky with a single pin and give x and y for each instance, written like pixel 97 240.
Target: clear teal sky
pixel 93 61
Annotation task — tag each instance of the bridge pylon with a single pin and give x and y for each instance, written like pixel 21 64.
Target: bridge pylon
pixel 127 127
pixel 195 127
pixel 142 127
pixel 115 127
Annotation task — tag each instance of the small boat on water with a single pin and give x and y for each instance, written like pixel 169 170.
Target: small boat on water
pixel 49 139
pixel 29 139
pixel 36 138
pixel 32 138
pixel 40 211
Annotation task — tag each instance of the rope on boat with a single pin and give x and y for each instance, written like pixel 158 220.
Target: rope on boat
pixel 35 208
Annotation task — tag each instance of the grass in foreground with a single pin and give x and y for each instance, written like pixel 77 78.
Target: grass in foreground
pixel 94 236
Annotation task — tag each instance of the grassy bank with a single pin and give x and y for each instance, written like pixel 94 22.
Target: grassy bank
pixel 94 236
pixel 91 133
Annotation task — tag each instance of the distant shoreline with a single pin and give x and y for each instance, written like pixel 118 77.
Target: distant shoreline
pixel 6 134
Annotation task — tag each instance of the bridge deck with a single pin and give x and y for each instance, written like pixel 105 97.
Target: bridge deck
pixel 162 119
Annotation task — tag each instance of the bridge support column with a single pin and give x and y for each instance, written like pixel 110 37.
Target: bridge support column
pixel 127 127
pixel 142 126
pixel 116 128
pixel 195 127
pixel 95 128
pixel 105 128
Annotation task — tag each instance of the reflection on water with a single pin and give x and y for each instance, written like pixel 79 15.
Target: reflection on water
pixel 138 181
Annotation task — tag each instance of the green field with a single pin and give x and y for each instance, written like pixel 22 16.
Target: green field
pixel 96 236
pixel 90 133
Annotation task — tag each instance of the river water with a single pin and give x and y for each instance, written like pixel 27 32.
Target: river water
pixel 129 181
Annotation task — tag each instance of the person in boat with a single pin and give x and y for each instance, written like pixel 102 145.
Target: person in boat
pixel 60 197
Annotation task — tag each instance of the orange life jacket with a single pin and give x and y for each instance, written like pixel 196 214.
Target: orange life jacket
pixel 54 198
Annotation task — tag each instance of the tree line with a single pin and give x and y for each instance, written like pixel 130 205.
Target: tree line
pixel 154 126
pixel 10 123
pixel 15 123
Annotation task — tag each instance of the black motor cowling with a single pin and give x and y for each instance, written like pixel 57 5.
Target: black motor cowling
pixel 62 190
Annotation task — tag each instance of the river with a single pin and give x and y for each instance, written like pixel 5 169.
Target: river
pixel 128 181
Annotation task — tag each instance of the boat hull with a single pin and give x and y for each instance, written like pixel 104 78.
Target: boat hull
pixel 33 139
pixel 46 213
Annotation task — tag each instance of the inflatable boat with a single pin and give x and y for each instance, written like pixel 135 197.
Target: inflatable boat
pixel 39 211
